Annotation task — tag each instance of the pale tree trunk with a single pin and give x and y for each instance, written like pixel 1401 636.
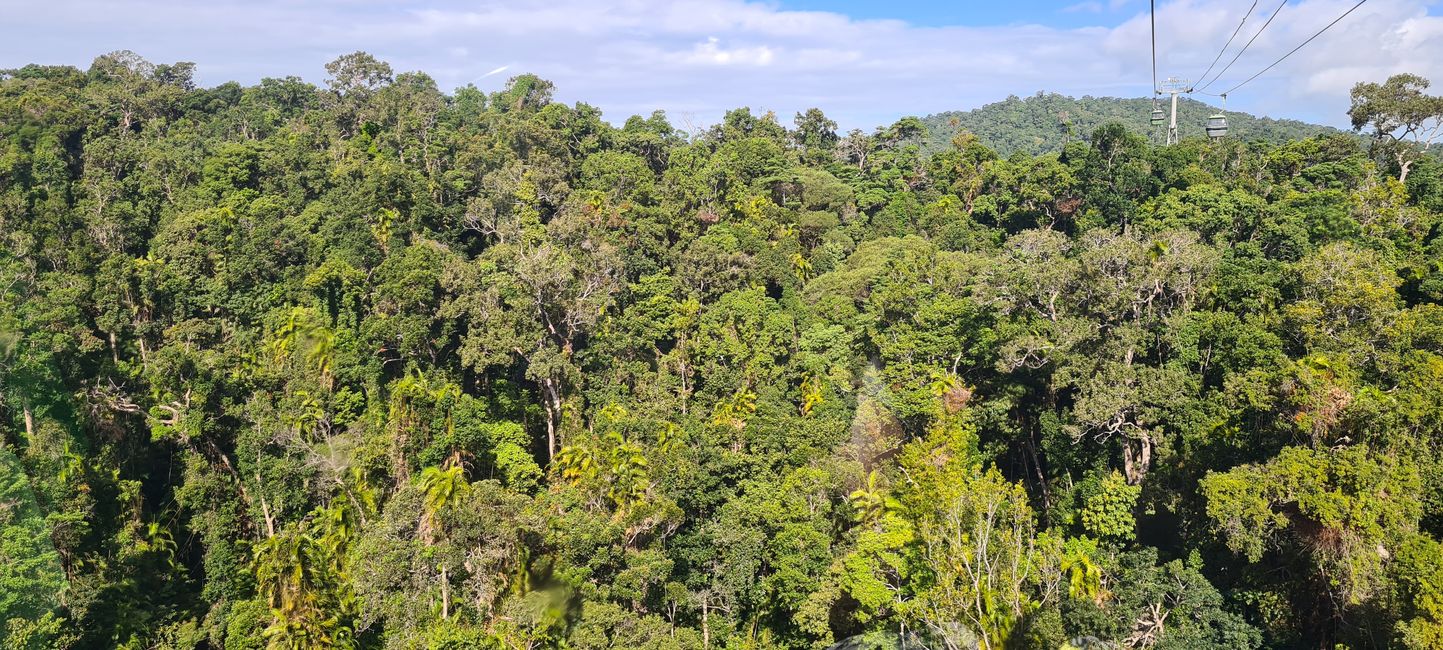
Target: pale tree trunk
pixel 266 512
pixel 550 435
pixel 1425 142
pixel 552 388
pixel 1135 463
pixel 705 628
pixel 1404 165
pixel 445 594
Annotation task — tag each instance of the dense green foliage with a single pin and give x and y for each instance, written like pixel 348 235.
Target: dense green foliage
pixel 373 366
pixel 1045 123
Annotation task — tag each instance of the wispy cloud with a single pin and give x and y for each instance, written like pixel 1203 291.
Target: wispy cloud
pixel 1083 7
pixel 702 57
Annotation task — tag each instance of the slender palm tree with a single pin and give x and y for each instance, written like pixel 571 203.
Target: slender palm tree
pixel 440 487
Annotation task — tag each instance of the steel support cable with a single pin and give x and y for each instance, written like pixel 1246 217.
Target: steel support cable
pixel 1228 44
pixel 1245 47
pixel 1152 17
pixel 1299 47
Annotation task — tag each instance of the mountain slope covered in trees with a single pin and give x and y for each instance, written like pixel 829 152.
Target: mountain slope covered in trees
pixel 369 365
pixel 1045 123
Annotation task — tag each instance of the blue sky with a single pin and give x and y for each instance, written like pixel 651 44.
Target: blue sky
pixel 865 63
pixel 1069 14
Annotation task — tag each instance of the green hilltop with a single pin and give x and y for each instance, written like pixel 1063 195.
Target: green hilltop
pixel 1045 122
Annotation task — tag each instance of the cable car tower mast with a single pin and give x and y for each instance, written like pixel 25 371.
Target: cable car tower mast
pixel 1173 86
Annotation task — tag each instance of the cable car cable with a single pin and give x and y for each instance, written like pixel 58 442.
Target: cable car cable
pixel 1152 17
pixel 1219 57
pixel 1299 47
pixel 1245 47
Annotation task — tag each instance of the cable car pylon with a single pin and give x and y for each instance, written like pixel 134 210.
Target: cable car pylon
pixel 1173 86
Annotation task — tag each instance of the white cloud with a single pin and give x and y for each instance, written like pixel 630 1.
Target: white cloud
pixel 702 57
pixel 711 52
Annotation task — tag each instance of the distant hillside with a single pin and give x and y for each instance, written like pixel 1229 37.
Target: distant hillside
pixel 1038 124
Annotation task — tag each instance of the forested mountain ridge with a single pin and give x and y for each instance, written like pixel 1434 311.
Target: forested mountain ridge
pixel 370 365
pixel 1045 122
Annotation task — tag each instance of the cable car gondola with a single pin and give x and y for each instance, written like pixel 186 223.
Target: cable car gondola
pixel 1217 126
pixel 1158 117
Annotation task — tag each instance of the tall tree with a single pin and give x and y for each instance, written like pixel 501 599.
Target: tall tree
pixel 1405 121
